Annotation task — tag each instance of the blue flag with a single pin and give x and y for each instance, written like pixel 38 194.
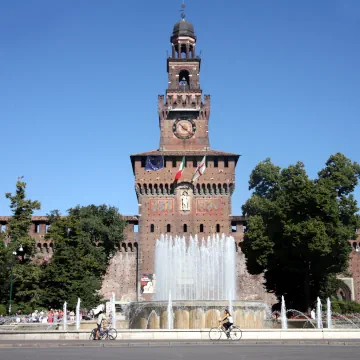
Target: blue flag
pixel 154 163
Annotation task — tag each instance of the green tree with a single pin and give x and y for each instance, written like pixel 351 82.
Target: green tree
pixel 298 229
pixel 19 224
pixel 5 264
pixel 26 275
pixel 84 242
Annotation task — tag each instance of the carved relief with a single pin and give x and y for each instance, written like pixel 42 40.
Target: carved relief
pixel 162 206
pixel 212 205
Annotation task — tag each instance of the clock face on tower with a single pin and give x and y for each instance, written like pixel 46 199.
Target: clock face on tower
pixel 184 128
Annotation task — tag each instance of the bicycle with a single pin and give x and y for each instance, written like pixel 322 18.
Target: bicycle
pixel 106 334
pixel 234 333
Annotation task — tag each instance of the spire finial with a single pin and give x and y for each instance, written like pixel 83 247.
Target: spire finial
pixel 183 10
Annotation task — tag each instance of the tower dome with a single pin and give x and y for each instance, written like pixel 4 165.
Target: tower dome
pixel 183 28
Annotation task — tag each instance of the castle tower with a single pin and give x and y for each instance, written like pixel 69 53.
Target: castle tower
pixel 184 118
pixel 184 207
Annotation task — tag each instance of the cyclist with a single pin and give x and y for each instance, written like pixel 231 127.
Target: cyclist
pixel 228 321
pixel 100 319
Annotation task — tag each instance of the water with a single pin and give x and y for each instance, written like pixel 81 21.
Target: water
pixel 328 314
pixel 113 311
pixel 195 270
pixel 347 323
pixel 78 315
pixel 283 314
pixel 319 314
pixel 230 304
pixel 153 313
pixel 65 316
pixel 170 315
pixel 301 314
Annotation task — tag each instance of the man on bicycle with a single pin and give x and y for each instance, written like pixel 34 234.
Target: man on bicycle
pixel 100 319
pixel 228 321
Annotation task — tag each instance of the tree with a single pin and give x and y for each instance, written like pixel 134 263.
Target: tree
pixel 19 224
pixel 26 274
pixel 4 272
pixel 298 229
pixel 84 242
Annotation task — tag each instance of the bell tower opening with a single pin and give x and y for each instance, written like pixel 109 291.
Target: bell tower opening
pixel 184 80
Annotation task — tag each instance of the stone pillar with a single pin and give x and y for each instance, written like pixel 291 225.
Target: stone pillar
pixel 173 51
pixel 187 51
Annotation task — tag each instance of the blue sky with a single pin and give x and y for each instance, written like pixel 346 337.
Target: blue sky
pixel 79 82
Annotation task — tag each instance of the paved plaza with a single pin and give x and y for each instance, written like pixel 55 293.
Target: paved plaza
pixel 189 351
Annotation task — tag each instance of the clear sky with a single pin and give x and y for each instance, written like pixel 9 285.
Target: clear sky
pixel 79 82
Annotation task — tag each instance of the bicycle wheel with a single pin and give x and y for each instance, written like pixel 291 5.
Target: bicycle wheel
pixel 235 333
pixel 92 334
pixel 215 334
pixel 112 334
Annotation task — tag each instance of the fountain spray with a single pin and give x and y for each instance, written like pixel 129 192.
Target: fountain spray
pixel 78 315
pixel 283 314
pixel 328 314
pixel 230 303
pixel 319 314
pixel 170 313
pixel 65 316
pixel 113 311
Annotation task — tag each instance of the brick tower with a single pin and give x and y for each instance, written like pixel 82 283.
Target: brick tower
pixel 185 208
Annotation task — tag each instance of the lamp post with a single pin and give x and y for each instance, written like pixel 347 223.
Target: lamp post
pixel 12 276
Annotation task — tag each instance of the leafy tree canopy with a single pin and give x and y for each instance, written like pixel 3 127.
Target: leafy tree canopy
pixel 298 229
pixel 25 274
pixel 17 230
pixel 84 241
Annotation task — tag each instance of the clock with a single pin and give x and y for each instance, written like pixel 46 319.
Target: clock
pixel 184 128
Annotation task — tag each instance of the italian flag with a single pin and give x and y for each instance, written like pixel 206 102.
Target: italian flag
pixel 181 169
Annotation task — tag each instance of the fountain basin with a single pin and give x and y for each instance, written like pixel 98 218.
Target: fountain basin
pixel 189 314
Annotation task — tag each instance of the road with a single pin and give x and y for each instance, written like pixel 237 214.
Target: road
pixel 188 352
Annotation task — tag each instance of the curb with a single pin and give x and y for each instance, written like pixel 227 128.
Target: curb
pixel 120 344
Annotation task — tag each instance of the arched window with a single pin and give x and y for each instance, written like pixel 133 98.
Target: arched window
pixel 168 228
pixel 152 228
pixel 184 80
pixel 201 228
pixel 217 228
pixel 185 228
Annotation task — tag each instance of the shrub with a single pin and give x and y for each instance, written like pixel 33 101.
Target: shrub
pixel 3 309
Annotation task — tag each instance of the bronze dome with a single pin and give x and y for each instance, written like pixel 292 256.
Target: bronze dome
pixel 183 28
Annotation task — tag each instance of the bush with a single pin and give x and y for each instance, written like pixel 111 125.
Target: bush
pixel 3 309
pixel 349 307
pixel 345 306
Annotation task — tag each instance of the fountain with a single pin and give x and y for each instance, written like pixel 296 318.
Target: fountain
pixel 319 314
pixel 328 314
pixel 230 304
pixel 65 316
pixel 195 271
pixel 283 314
pixel 170 315
pixel 113 311
pixel 195 282
pixel 78 314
